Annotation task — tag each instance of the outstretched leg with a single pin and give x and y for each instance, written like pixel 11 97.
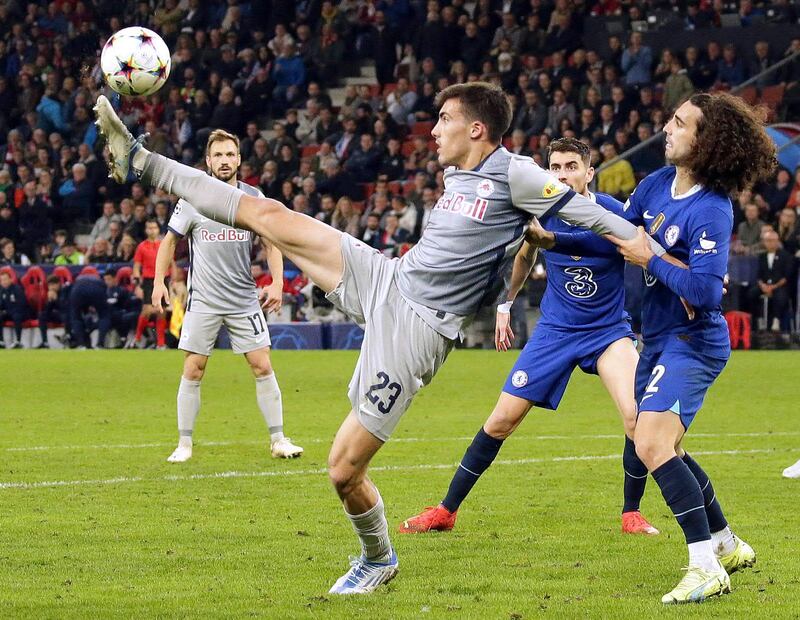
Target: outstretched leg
pixel 313 246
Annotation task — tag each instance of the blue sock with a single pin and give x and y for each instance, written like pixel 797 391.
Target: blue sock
pixel 480 454
pixel 635 476
pixel 716 520
pixel 682 494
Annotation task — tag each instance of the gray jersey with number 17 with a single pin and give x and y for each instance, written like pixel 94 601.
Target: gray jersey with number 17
pixel 464 257
pixel 220 281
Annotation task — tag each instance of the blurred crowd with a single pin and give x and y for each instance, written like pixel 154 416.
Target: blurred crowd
pixel 357 155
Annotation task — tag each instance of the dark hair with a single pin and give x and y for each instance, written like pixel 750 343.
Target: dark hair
pixel 570 145
pixel 151 220
pixel 53 280
pixel 481 101
pixel 731 151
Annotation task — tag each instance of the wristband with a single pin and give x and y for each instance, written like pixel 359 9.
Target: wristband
pixel 505 308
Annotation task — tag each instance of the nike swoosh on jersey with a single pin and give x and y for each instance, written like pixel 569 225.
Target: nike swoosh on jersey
pixel 646 215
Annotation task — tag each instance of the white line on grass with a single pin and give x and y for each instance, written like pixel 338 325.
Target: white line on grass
pixel 321 470
pixel 519 437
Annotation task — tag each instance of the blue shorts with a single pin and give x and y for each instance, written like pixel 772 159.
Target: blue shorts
pixel 545 365
pixel 676 377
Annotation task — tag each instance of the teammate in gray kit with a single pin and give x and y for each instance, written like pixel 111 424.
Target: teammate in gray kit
pixel 413 309
pixel 222 292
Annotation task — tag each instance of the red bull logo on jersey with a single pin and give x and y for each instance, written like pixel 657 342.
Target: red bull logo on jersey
pixel 226 235
pixel 460 204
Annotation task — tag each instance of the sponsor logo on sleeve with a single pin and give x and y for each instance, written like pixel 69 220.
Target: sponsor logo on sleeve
pixel 552 188
pixel 707 246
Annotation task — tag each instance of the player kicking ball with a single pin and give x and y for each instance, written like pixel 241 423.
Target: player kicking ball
pixel 717 146
pixel 413 309
pixel 583 324
pixel 222 292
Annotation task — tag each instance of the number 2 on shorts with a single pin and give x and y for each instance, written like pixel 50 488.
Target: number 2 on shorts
pixel 384 383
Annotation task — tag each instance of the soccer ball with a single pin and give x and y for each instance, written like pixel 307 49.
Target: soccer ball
pixel 135 61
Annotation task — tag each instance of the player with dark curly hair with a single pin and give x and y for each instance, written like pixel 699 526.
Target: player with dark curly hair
pixel 717 146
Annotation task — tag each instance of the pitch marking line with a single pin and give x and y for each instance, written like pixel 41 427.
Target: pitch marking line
pixel 136 446
pixel 318 471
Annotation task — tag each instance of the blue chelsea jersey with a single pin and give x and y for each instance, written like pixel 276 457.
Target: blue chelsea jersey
pixel 695 228
pixel 584 293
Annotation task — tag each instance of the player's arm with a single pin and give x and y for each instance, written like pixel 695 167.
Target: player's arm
pixel 520 272
pixel 702 284
pixel 271 296
pixel 536 191
pixel 166 253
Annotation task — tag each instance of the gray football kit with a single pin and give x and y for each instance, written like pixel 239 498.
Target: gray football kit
pixel 414 308
pixel 221 287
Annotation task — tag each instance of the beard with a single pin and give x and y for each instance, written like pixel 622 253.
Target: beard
pixel 225 176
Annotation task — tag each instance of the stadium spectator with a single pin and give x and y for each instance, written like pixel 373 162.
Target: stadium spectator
pixel 677 88
pixel 77 194
pixel 364 161
pixel 100 252
pixel 637 61
pixel 372 233
pixel 748 235
pixel 531 117
pixel 13 307
pixel 70 255
pixel 9 228
pixel 9 254
pixel 327 209
pixel 55 310
pixel 618 179
pixel 730 70
pixel 777 193
pixel 400 102
pixel 775 268
pixel 126 249
pixel 346 218
pixel 102 226
pixel 788 231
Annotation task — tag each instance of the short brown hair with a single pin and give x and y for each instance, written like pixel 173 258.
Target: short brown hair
pixel 220 135
pixel 481 101
pixel 570 145
pixel 732 150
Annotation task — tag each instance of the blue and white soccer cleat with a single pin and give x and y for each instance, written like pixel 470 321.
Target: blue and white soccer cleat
pixel 364 577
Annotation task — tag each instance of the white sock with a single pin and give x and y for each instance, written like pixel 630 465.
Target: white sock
pixel 188 408
pixel 701 555
pixel 139 160
pixel 373 532
pixel 268 395
pixel 723 541
pixel 209 196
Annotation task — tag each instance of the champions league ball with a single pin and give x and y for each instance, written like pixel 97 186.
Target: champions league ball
pixel 135 61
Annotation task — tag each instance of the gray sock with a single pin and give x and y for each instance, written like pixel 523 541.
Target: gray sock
pixel 268 396
pixel 188 408
pixel 373 531
pixel 211 197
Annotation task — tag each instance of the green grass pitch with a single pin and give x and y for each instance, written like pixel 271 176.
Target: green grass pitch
pixel 95 523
